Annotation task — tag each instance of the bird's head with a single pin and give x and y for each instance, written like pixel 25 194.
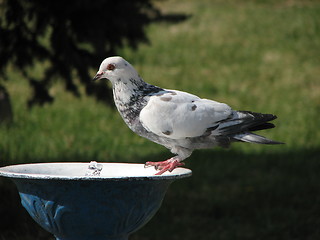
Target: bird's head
pixel 115 69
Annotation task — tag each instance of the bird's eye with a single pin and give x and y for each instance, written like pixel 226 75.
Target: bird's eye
pixel 111 67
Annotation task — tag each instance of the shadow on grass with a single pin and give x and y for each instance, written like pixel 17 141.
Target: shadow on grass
pixel 231 195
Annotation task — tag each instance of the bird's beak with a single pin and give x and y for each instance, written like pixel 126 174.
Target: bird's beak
pixel 97 76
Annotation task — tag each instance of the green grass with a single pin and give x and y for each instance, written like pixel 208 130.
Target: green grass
pixel 254 55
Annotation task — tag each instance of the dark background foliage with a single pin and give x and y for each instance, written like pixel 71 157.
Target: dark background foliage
pixel 71 36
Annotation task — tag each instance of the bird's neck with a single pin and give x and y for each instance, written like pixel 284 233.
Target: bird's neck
pixel 131 96
pixel 124 91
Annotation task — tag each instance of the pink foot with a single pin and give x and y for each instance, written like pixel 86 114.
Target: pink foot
pixel 164 166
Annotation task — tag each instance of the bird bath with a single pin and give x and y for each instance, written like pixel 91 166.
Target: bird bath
pixel 72 204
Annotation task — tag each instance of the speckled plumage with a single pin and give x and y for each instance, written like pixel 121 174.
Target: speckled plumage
pixel 178 120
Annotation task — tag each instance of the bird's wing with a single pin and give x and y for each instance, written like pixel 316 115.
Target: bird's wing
pixel 176 115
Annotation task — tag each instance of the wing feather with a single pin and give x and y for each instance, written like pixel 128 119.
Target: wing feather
pixel 176 115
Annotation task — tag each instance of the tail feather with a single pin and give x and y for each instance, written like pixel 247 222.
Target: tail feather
pixel 254 138
pixel 240 125
pixel 244 121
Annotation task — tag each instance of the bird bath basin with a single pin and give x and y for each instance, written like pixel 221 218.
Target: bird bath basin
pixel 74 205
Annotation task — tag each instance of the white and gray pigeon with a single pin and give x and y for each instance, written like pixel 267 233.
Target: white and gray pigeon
pixel 180 121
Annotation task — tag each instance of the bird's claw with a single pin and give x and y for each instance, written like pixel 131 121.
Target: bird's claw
pixel 168 165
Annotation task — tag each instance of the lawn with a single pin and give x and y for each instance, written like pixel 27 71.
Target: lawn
pixel 261 56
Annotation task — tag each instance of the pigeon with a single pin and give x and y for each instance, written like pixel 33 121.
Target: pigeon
pixel 180 121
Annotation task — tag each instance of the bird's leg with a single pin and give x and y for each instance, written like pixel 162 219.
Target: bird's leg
pixel 167 165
